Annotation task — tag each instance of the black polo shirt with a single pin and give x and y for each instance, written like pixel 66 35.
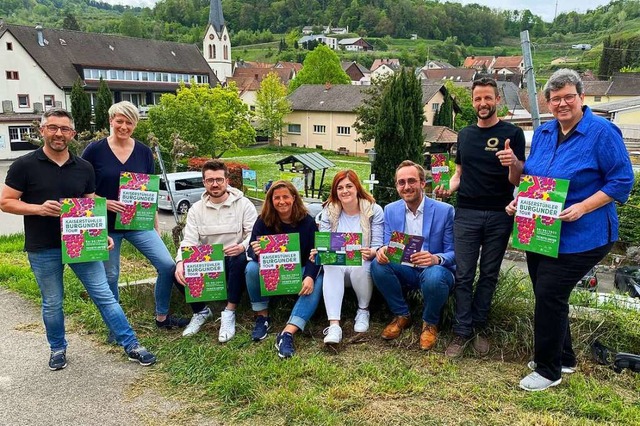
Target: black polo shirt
pixel 40 179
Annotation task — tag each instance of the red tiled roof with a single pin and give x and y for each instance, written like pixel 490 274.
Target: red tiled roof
pixel 507 62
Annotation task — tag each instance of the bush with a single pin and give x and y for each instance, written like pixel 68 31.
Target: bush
pixel 235 169
pixel 629 215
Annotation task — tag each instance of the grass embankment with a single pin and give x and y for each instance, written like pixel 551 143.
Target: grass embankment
pixel 263 161
pixel 366 380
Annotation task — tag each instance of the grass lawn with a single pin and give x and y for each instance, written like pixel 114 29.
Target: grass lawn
pixel 263 161
pixel 365 380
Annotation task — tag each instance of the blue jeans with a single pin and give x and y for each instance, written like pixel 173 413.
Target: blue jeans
pixel 302 311
pixel 477 234
pixel 48 268
pixel 435 282
pixel 152 247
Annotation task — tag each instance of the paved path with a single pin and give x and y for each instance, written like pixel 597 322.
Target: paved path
pixel 98 387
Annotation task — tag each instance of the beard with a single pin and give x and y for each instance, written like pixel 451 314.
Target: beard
pixel 489 112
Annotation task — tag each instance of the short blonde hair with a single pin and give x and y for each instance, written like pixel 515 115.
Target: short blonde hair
pixel 127 109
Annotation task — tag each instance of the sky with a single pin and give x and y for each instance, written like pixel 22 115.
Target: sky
pixel 543 8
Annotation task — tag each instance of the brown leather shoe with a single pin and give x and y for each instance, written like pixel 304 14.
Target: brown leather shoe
pixel 395 327
pixel 481 345
pixel 456 347
pixel 428 336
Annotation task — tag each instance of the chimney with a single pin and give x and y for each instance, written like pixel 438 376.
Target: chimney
pixel 40 35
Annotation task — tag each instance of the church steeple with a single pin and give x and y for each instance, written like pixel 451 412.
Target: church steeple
pixel 216 45
pixel 215 15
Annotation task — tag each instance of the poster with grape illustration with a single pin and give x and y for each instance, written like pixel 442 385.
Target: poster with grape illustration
pixel 536 226
pixel 204 273
pixel 83 225
pixel 402 246
pixel 441 169
pixel 139 192
pixel 339 248
pixel 280 270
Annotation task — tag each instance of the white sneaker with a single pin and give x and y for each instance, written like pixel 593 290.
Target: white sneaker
pixel 197 320
pixel 361 324
pixel 333 333
pixel 535 382
pixel 565 370
pixel 227 326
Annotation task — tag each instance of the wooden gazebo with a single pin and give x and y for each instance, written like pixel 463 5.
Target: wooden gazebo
pixel 308 165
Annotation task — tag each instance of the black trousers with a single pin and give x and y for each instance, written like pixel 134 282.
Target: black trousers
pixel 234 268
pixel 553 280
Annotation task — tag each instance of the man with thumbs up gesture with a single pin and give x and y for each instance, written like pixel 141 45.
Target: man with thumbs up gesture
pixel 491 154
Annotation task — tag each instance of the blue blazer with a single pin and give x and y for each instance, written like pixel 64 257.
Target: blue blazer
pixel 437 227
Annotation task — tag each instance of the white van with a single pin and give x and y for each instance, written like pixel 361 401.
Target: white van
pixel 186 188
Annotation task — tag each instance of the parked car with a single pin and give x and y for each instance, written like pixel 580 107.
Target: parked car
pixel 186 188
pixel 627 280
pixel 589 281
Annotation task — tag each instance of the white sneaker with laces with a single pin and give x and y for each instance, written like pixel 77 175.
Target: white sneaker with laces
pixel 534 382
pixel 197 320
pixel 565 370
pixel 333 333
pixel 361 324
pixel 227 326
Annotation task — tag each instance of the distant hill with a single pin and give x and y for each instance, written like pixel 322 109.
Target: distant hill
pixel 448 31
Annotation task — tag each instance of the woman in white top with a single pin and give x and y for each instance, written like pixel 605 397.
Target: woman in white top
pixel 350 208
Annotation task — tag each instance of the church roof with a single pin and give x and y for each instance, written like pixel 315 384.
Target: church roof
pixel 215 15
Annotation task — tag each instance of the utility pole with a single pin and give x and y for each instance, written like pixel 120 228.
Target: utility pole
pixel 530 78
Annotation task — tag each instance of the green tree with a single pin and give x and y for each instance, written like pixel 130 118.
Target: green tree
pixel 104 100
pixel 80 107
pixel 444 117
pixel 272 106
pixel 368 114
pixel 292 38
pixel 70 22
pixel 130 25
pixel 398 132
pixel 462 96
pixel 213 120
pixel 320 66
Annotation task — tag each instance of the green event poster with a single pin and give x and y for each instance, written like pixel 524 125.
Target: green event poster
pixel 280 270
pixel 249 178
pixel 402 246
pixel 204 272
pixel 339 248
pixel 441 169
pixel 139 193
pixel 536 227
pixel 83 225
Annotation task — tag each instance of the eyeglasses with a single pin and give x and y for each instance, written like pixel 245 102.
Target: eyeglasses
pixel 211 181
pixel 568 99
pixel 64 129
pixel 410 182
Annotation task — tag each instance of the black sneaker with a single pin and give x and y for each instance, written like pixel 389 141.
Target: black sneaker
pixel 142 355
pixel 284 345
pixel 261 329
pixel 172 322
pixel 58 360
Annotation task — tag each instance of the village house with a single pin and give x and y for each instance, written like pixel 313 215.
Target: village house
pixel 359 74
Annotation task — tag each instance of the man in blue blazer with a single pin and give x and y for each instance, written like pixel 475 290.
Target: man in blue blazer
pixel 433 267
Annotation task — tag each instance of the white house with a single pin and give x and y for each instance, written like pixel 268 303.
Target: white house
pixel 216 45
pixel 40 65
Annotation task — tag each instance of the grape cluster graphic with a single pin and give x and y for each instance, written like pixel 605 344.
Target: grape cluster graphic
pixel 396 237
pixel 274 244
pixel 199 254
pixel 139 182
pixel 437 160
pixel 80 207
pixel 540 188
pixel 350 238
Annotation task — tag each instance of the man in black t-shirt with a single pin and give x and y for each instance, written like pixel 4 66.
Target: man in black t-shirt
pixel 489 162
pixel 34 185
